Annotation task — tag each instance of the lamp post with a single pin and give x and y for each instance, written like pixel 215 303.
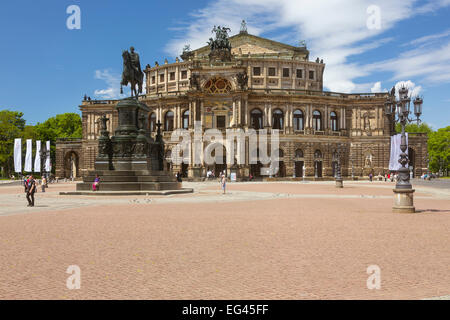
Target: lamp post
pixel 399 111
pixel 44 154
pixel 338 153
pixel 353 168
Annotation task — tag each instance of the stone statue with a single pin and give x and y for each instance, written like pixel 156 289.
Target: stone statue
pixel 187 53
pixel 242 79
pixel 368 162
pixel 103 121
pixel 243 27
pixel 221 46
pixel 393 91
pixel 132 72
pixel 194 81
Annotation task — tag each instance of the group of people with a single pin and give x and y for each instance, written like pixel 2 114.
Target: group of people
pixel 30 188
pixel 387 177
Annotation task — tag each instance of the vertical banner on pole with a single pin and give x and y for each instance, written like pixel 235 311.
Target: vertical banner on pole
pixel 396 141
pixel 18 155
pixel 28 156
pixel 48 167
pixel 37 159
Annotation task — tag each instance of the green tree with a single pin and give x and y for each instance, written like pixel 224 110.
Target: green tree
pixel 439 150
pixel 412 127
pixel 12 125
pixel 66 125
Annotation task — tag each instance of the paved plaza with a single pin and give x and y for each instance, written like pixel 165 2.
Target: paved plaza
pixel 261 240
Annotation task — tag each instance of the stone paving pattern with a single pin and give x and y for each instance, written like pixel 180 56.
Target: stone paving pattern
pixel 259 241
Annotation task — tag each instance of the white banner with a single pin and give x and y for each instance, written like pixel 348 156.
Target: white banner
pixel 396 141
pixel 48 165
pixel 18 155
pixel 37 159
pixel 28 156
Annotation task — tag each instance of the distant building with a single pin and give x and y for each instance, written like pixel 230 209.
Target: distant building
pixel 266 85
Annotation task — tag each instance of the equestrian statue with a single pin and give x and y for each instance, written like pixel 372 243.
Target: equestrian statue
pixel 132 72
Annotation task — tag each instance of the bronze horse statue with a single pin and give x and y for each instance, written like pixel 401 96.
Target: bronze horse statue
pixel 132 73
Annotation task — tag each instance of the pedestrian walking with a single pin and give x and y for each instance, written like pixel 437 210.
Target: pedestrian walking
pixel 370 177
pixel 30 191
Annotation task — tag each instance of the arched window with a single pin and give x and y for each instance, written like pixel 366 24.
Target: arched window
pixel 218 85
pixel 186 119
pixel 317 154
pixel 168 121
pixel 317 120
pixel 277 119
pixel 256 119
pixel 334 121
pixel 299 153
pixel 152 122
pixel 298 120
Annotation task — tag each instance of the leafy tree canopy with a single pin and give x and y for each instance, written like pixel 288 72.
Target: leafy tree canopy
pixel 412 127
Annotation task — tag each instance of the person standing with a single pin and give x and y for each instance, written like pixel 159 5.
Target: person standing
pixel 370 177
pixel 223 181
pixel 44 184
pixel 30 191
pixel 96 183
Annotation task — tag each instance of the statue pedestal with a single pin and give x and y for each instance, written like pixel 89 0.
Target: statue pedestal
pixel 403 201
pixel 130 161
pixel 339 183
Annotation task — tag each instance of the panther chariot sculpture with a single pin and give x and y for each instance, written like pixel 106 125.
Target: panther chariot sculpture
pixel 221 46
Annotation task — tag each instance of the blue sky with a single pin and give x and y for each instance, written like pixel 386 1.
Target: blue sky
pixel 47 68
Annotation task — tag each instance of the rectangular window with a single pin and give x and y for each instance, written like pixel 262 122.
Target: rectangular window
pixel 256 71
pixel 184 74
pixel 311 75
pixel 272 72
pixel 286 72
pixel 299 73
pixel 221 122
pixel 153 79
pixel 172 76
pixel 161 78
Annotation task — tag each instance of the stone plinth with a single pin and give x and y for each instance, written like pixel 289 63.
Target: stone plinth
pixel 403 201
pixel 339 183
pixel 130 180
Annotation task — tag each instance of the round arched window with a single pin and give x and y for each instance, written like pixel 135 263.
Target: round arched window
pixel 218 85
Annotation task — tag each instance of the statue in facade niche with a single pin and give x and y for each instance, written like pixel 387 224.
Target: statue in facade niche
pixel 242 79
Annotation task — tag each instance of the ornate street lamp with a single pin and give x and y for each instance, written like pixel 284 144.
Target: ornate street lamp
pixel 44 154
pixel 399 111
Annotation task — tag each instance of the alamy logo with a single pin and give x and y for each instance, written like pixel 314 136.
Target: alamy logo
pixel 374 20
pixel 208 147
pixel 74 20
pixel 74 281
pixel 374 280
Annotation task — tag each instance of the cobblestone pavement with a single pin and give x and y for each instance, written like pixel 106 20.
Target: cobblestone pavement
pixel 275 240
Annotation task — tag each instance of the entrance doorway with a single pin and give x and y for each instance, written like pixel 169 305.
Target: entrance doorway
pixel 318 169
pixel 334 168
pixel 299 168
pixel 184 170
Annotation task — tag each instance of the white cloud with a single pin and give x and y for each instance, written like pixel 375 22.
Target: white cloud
pixel 334 30
pixel 113 85
pixel 432 66
pixel 413 89
pixel 376 87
